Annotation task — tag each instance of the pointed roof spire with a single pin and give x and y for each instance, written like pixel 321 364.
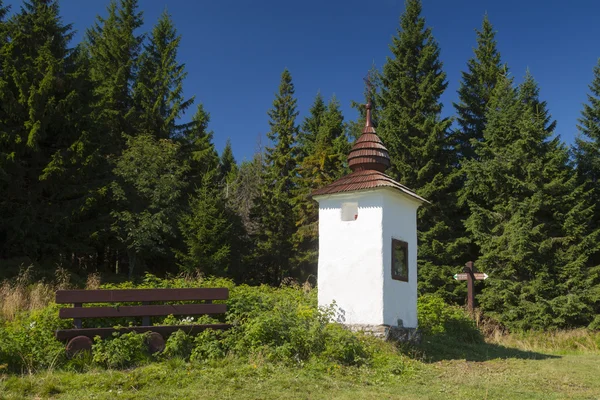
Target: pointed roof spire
pixel 368 160
pixel 368 153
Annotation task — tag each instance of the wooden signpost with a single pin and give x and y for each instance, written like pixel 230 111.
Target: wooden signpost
pixel 470 276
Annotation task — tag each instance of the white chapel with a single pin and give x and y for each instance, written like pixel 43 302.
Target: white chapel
pixel 368 241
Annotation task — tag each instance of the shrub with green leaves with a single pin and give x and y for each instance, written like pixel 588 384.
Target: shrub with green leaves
pixel 286 325
pixel 209 345
pixel 28 343
pixel 278 324
pixel 121 351
pixel 179 345
pixel 345 347
pixel 436 317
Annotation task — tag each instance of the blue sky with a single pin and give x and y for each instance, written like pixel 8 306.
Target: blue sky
pixel 235 50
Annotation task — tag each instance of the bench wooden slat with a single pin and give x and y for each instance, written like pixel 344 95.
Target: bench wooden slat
pixel 138 295
pixel 165 331
pixel 142 311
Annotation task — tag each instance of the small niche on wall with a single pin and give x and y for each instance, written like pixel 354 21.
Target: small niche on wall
pixel 349 211
pixel 399 260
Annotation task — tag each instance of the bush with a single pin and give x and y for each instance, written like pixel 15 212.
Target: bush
pixel 28 344
pixel 208 345
pixel 345 347
pixel 179 345
pixel 286 325
pixel 595 324
pixel 438 318
pixel 122 351
pixel 279 324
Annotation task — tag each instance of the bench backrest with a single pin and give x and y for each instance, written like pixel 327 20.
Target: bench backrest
pixel 145 296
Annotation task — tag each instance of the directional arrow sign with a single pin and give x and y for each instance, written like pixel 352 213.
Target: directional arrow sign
pixel 460 277
pixel 479 276
pixel 470 276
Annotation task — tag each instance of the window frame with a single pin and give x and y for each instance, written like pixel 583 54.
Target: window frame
pixel 396 277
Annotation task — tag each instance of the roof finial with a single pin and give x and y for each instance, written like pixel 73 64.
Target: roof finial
pixel 369 128
pixel 368 122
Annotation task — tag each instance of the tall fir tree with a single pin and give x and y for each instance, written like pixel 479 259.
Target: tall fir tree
pixel 114 48
pixel 529 93
pixel 530 218
pixel 475 91
pixel 411 85
pixel 244 192
pixel 213 235
pixel 273 210
pixel 198 149
pixel 3 11
pixel 307 135
pixel 323 164
pixel 587 143
pixel 147 190
pixel 158 91
pixel 416 136
pixel 44 119
pixel 207 230
pixel 227 165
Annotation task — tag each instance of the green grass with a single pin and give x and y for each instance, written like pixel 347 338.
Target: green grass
pixel 283 347
pixel 439 369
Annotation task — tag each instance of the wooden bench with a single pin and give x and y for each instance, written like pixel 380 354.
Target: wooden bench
pixel 81 338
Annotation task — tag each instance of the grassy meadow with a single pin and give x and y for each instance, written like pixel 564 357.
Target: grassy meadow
pixel 281 346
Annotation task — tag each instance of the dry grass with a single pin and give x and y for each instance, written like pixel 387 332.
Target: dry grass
pixel 93 281
pixel 561 341
pixel 556 341
pixel 21 294
pixel 24 294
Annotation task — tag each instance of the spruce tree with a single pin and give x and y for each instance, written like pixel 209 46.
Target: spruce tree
pixel 207 230
pixel 3 11
pixel 587 147
pixel 43 127
pixel 530 218
pixel 158 92
pixel 227 164
pixel 198 149
pixel 587 144
pixel 273 210
pixel 212 234
pixel 325 163
pixel 411 85
pixel 415 135
pixel 475 91
pixel 244 192
pixel 309 130
pixel 529 93
pixel 114 49
pixel 149 184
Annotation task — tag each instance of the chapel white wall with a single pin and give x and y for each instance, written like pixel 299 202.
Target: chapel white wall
pixel 399 222
pixel 350 257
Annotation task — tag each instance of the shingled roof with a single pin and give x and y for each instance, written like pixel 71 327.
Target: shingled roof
pixel 368 160
pixel 363 180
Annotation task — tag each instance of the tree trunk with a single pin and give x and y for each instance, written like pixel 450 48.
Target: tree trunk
pixel 131 254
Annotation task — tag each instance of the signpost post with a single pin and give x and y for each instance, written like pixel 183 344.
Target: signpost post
pixel 470 276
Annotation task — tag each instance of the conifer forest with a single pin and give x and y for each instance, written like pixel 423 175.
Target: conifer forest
pixel 101 172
